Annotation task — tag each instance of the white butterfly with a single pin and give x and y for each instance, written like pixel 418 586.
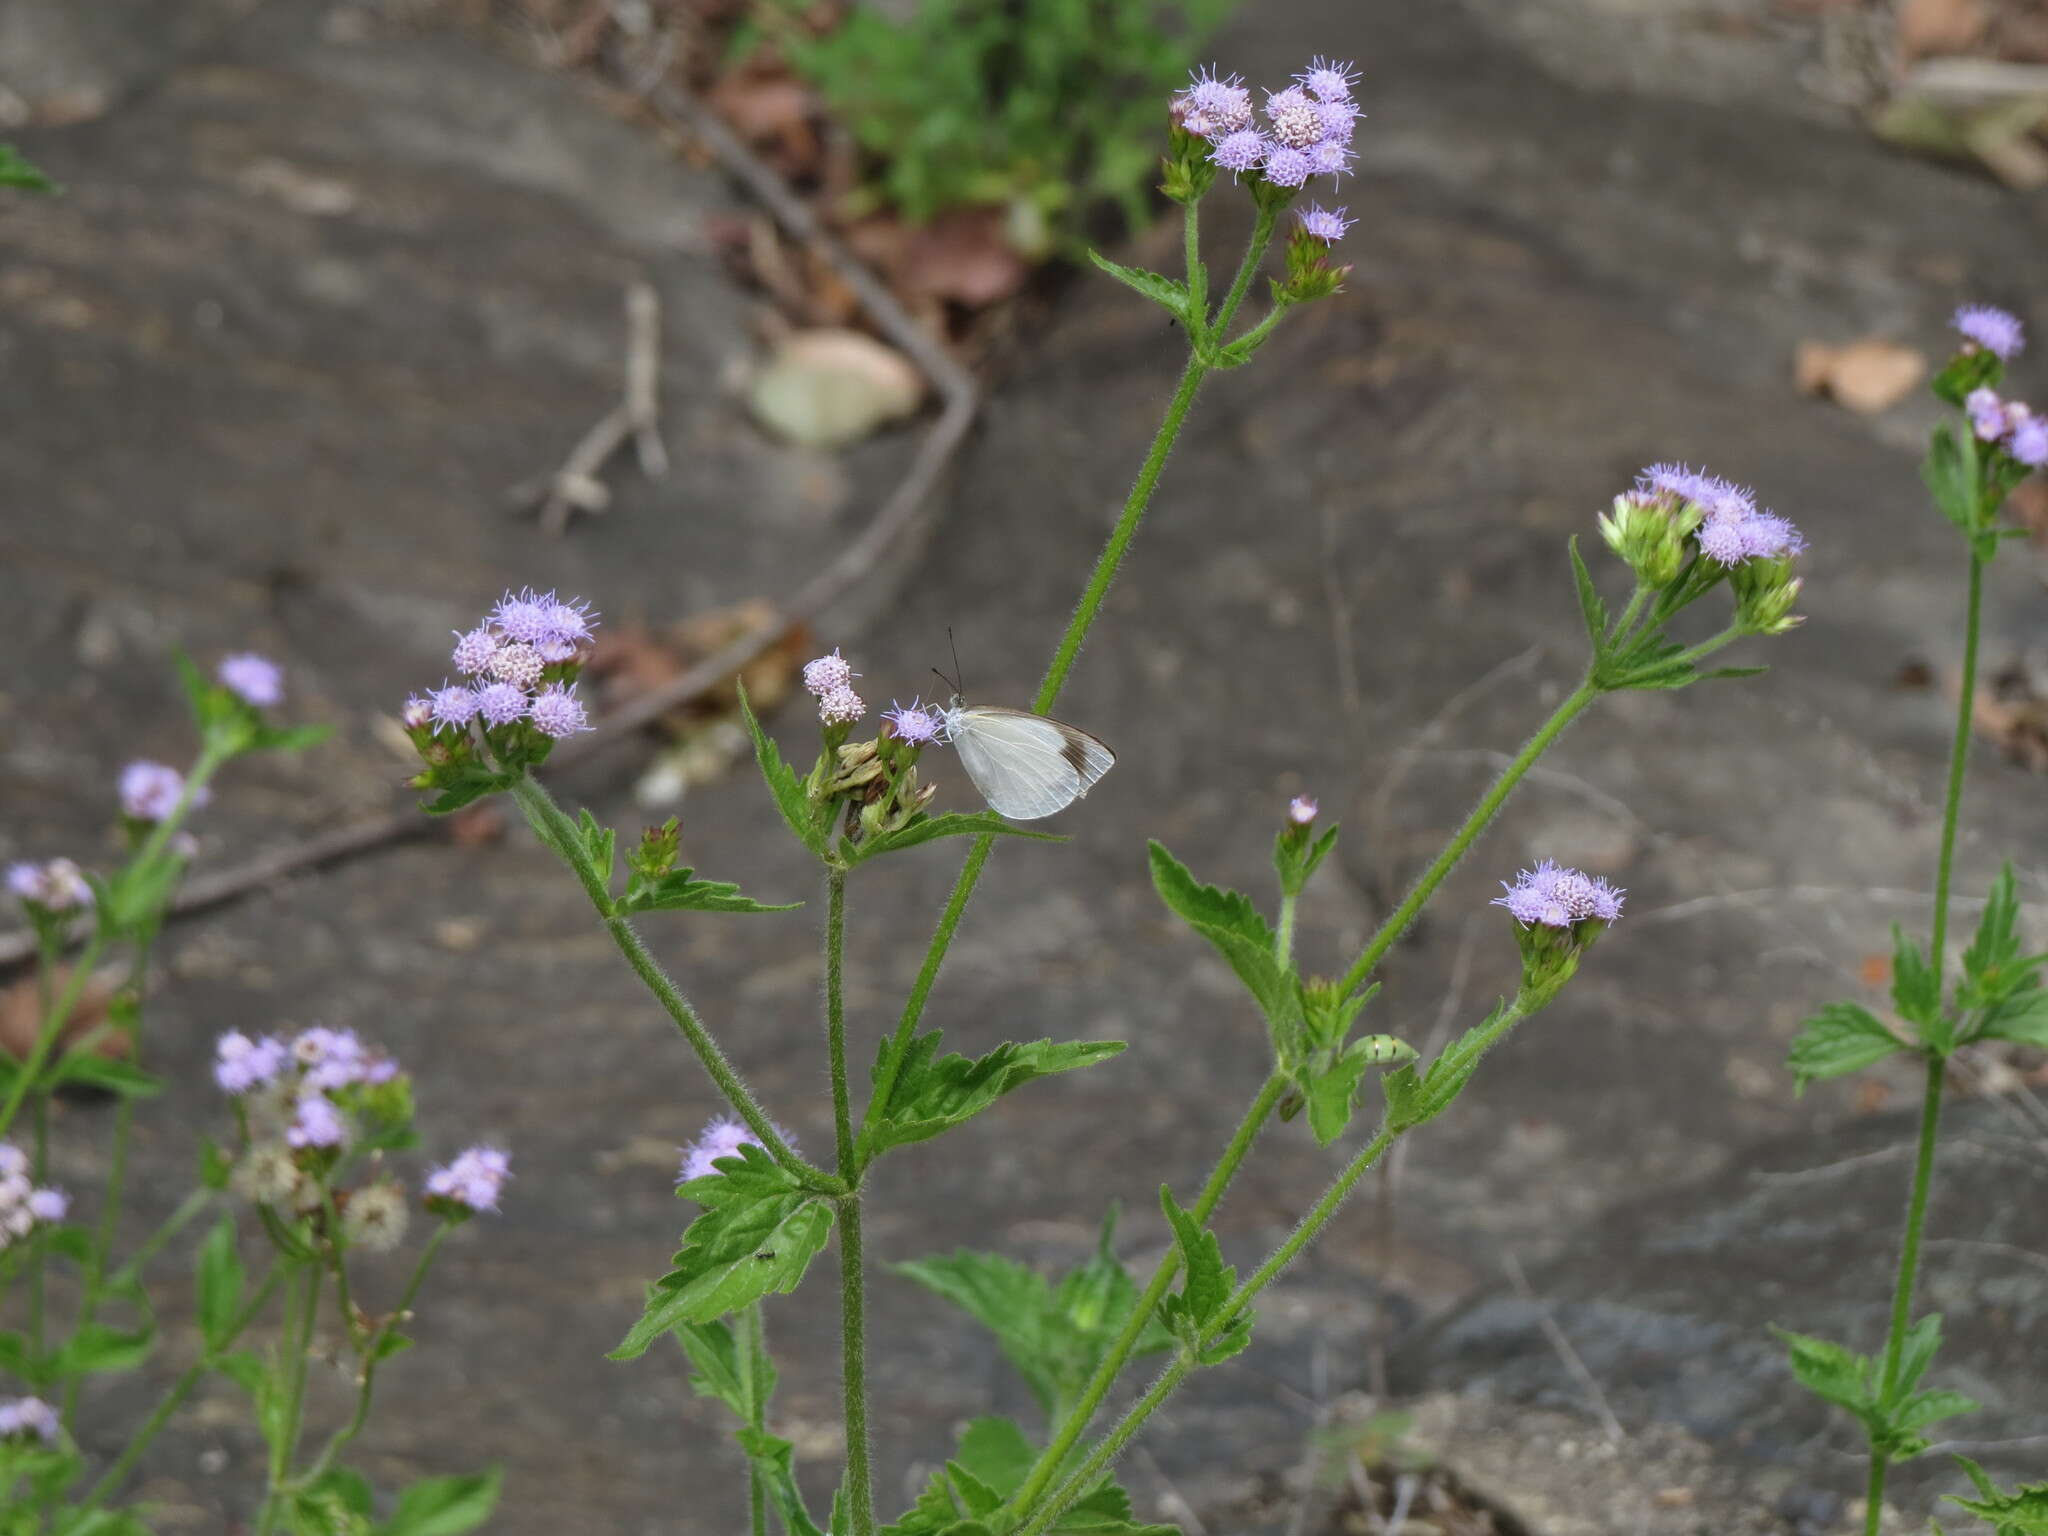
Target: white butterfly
pixel 1026 766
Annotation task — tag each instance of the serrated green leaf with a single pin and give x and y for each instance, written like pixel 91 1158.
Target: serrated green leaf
pixel 922 829
pixel 599 844
pixel 1198 1314
pixel 1950 474
pixel 461 786
pixel 17 172
pixel 1161 290
pixel 1996 943
pixel 221 1280
pixel 103 1347
pixel 1230 923
pixel 806 820
pixel 975 1496
pixel 1924 1408
pixel 931 1094
pixel 1828 1371
pixel 1332 1093
pixel 997 1453
pixel 759 1232
pixel 1010 1299
pixel 1916 989
pixel 1916 1352
pixel 2022 1017
pixel 776 1459
pixel 1592 610
pixel 1841 1038
pixel 2023 1512
pixel 445 1506
pixel 1105 1512
pixel 680 891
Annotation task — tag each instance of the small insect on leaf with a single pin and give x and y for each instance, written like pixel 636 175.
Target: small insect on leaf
pixel 766 1256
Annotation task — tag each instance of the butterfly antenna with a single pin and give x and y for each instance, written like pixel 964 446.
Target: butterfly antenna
pixel 959 686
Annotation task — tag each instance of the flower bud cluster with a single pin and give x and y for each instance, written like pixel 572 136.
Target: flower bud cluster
pixel 1306 130
pixel 1559 913
pixel 830 679
pixel 56 887
pixel 304 1102
pixel 469 1184
pixel 2008 424
pixel 150 792
pixel 1685 523
pixel 24 1206
pixel 877 778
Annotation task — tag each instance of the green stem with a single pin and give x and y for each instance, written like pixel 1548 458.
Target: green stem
pixel 54 1019
pixel 753 1345
pixel 1909 1257
pixel 1688 656
pixel 1873 1497
pixel 304 1309
pixel 1107 1450
pixel 192 1205
pixel 1958 761
pixel 371 1357
pixel 1484 812
pixel 1197 276
pixel 180 1390
pixel 1076 1424
pixel 1283 938
pixel 860 1495
pixel 1262 235
pixel 1618 631
pixel 852 1299
pixel 559 834
pixel 41 1169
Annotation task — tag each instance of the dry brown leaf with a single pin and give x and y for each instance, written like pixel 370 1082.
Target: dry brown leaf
pixel 773 111
pixel 1865 376
pixel 2029 507
pixel 476 826
pixel 631 660
pixel 1928 27
pixel 1872 1095
pixel 963 256
pixel 21 1015
pixel 2009 711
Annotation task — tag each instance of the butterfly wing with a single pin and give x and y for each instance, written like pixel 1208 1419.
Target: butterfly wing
pixel 1027 766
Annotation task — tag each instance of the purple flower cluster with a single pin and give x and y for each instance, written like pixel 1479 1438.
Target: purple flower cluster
pixel 23 1417
pixel 917 723
pixel 1307 131
pixel 58 886
pixel 255 680
pixel 1325 224
pixel 151 791
pixel 473 1180
pixel 1997 331
pixel 1735 530
pixel 2010 423
pixel 504 663
pixel 303 1074
pixel 831 679
pixel 24 1206
pixel 723 1137
pixel 1558 897
pixel 1301 810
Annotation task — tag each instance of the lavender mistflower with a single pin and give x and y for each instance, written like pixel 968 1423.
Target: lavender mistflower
pixel 557 712
pixel 1735 538
pixel 842 706
pixel 915 723
pixel 241 1063
pixel 151 791
pixel 415 713
pixel 1296 118
pixel 25 1417
pixel 525 616
pixel 1711 492
pixel 2030 441
pixel 723 1137
pixel 254 679
pixel 1244 150
pixel 475 651
pixel 828 674
pixel 453 707
pixel 23 1207
pixel 501 703
pixel 519 665
pixel 1286 167
pixel 474 1179
pixel 332 1058
pixel 316 1123
pixel 48 1204
pixel 1558 897
pixel 1301 810
pixel 1340 121
pixel 13 1161
pixel 1327 80
pixel 1329 157
pixel 1211 106
pixel 1989 417
pixel 1997 331
pixel 58 886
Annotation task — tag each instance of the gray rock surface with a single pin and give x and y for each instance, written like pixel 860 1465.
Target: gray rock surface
pixel 239 420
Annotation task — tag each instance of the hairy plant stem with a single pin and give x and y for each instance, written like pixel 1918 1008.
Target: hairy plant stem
pixel 559 835
pixel 371 1356
pixel 300 1313
pixel 1488 807
pixel 1090 1402
pixel 852 1299
pixel 1036 1521
pixel 1937 1064
pixel 1255 252
pixel 1283 933
pixel 179 1391
pixel 753 1346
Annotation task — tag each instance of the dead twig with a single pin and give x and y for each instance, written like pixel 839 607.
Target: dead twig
pixel 1561 1342
pixel 575 487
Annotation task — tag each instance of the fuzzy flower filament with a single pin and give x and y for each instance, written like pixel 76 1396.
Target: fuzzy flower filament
pixel 915 723
pixel 722 1137
pixel 24 1206
pixel 1997 331
pixel 1559 897
pixel 256 680
pixel 58 886
pixel 151 791
pixel 472 1182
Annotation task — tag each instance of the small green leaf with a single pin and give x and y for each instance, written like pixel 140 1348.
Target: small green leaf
pixel 776 1459
pixel 1591 609
pixel 1950 473
pixel 1916 989
pixel 922 829
pixel 463 785
pixel 1010 1299
pixel 2023 1512
pixel 445 1506
pixel 759 1232
pixel 930 1096
pixel 1916 1352
pixel 1199 1314
pixel 1840 1376
pixel 221 1280
pixel 806 820
pixel 17 172
pixel 1841 1038
pixel 598 843
pixel 2022 1017
pixel 1161 290
pixel 1105 1512
pixel 1333 1093
pixel 1296 860
pixel 680 891
pixel 102 1347
pixel 1234 926
pixel 288 738
pixel 1924 1408
pixel 996 1452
